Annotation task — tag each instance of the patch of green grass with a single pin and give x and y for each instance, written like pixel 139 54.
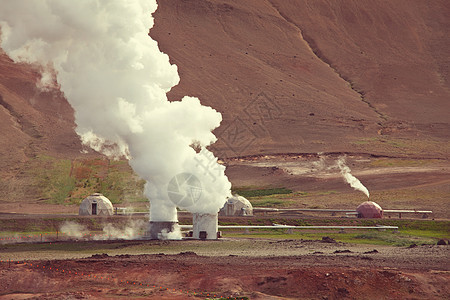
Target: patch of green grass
pixel 268 197
pixel 394 239
pixel 261 233
pixel 396 162
pixel 52 178
pixel 268 203
pixel 249 193
pixel 439 227
pixel 355 238
pixel 435 234
pixel 63 181
pixel 79 246
pixel 373 237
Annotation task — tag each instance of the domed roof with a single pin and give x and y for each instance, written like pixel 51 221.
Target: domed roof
pixel 237 198
pixel 237 206
pixel 369 209
pixel 96 204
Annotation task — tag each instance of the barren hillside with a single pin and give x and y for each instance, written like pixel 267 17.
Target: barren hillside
pixel 288 77
pixel 310 76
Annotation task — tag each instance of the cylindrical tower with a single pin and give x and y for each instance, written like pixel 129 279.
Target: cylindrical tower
pixel 205 226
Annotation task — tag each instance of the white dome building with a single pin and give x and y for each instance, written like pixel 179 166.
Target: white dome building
pixel 237 206
pixel 96 204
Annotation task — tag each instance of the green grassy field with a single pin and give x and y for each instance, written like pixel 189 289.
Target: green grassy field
pixel 372 237
pixel 65 181
pixel 409 232
pixel 435 199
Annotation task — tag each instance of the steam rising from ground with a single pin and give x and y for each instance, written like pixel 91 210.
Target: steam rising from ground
pixel 349 178
pixel 175 234
pixel 134 229
pixel 321 165
pixel 116 79
pixel 72 229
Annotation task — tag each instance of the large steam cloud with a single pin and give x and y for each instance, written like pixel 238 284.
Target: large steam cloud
pixel 116 79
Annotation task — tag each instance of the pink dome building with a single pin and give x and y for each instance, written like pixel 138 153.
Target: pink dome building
pixel 369 209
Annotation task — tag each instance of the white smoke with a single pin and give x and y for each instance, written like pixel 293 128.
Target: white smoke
pixel 349 178
pixel 116 79
pixel 175 234
pixel 134 229
pixel 73 230
pixel 321 163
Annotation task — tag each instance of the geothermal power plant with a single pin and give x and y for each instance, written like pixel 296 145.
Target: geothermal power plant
pixel 166 142
pixel 205 227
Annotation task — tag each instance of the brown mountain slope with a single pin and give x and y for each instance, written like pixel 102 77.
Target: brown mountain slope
pixel 248 62
pixel 32 121
pixel 395 53
pixel 309 76
pixel 288 76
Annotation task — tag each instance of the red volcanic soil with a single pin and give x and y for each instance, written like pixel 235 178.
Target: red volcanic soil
pixel 366 78
pixel 333 271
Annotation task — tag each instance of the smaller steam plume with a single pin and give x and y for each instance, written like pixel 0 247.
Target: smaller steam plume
pixel 321 163
pixel 134 229
pixel 73 230
pixel 175 234
pixel 349 178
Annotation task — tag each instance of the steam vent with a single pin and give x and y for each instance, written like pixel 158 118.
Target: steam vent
pixel 160 230
pixel 205 226
pixel 369 209
pixel 237 206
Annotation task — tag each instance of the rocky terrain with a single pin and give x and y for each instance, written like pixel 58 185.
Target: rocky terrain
pixel 274 269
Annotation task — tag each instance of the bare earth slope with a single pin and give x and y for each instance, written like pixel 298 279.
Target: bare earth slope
pixel 309 76
pixel 288 77
pixel 248 62
pixel 394 53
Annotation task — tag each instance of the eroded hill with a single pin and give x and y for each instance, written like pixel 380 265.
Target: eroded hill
pixel 288 77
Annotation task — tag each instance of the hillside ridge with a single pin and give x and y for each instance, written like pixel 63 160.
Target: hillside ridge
pixel 288 77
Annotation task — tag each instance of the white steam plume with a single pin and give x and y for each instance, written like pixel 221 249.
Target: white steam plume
pixel 72 229
pixel 175 234
pixel 134 229
pixel 116 79
pixel 349 178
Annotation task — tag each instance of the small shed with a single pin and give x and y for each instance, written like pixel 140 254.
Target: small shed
pixel 369 209
pixel 96 204
pixel 237 206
